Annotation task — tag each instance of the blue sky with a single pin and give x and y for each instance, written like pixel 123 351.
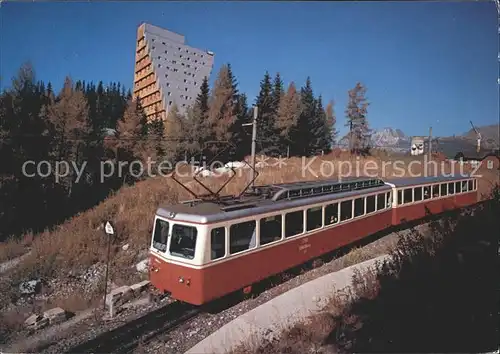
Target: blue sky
pixel 424 63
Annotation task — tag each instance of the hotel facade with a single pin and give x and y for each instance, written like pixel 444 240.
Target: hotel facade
pixel 167 70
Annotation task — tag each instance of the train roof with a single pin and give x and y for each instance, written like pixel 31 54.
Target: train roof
pixel 276 197
pixel 411 181
pixel 269 198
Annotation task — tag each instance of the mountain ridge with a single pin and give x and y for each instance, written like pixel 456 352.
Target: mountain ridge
pixel 395 140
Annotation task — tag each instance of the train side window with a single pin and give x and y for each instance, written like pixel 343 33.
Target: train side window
pixel 183 241
pixel 359 207
pixel 458 188
pixel 451 188
pixel 160 235
pixel 270 229
pixel 389 199
pixel 427 192
pixel 444 189
pixel 464 186
pixel 332 214
pixel 346 210
pixel 469 183
pixel 370 204
pixel 380 201
pixel 400 197
pixel 242 236
pixel 314 218
pixel 417 194
pixel 435 191
pixel 408 195
pixel 294 223
pixel 475 184
pixel 218 243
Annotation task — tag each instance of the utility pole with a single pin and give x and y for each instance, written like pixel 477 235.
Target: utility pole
pixel 430 144
pixel 254 141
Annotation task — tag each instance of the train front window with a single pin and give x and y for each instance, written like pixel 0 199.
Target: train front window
pixel 183 242
pixel 160 236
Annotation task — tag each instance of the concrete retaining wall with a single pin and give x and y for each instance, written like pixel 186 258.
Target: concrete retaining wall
pixel 281 312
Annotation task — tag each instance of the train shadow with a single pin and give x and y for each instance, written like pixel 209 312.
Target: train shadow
pixel 232 299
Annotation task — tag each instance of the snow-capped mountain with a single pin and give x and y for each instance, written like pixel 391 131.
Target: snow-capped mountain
pixel 386 138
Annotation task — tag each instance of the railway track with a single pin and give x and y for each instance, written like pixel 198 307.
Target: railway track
pixel 127 337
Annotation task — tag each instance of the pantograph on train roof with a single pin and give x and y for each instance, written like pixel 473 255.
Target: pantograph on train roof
pixel 251 196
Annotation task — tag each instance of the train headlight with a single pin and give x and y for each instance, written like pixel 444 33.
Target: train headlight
pixel 181 280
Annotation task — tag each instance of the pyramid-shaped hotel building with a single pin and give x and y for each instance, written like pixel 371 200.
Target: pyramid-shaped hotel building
pixel 167 70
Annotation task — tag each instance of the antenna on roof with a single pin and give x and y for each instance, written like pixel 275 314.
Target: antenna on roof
pixel 478 135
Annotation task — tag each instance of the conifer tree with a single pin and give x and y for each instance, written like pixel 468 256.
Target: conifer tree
pixel 266 134
pixel 221 114
pixel 324 132
pixel 287 118
pixel 131 130
pixel 308 127
pixel 155 137
pixel 241 138
pixel 197 127
pixel 357 107
pixel 331 121
pixel 174 136
pixel 70 126
pixel 277 93
pixel 203 96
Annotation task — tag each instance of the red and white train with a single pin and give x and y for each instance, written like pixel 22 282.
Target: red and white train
pixel 202 250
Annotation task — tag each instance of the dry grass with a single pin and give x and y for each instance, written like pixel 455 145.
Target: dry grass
pixel 80 242
pixel 355 256
pixel 15 247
